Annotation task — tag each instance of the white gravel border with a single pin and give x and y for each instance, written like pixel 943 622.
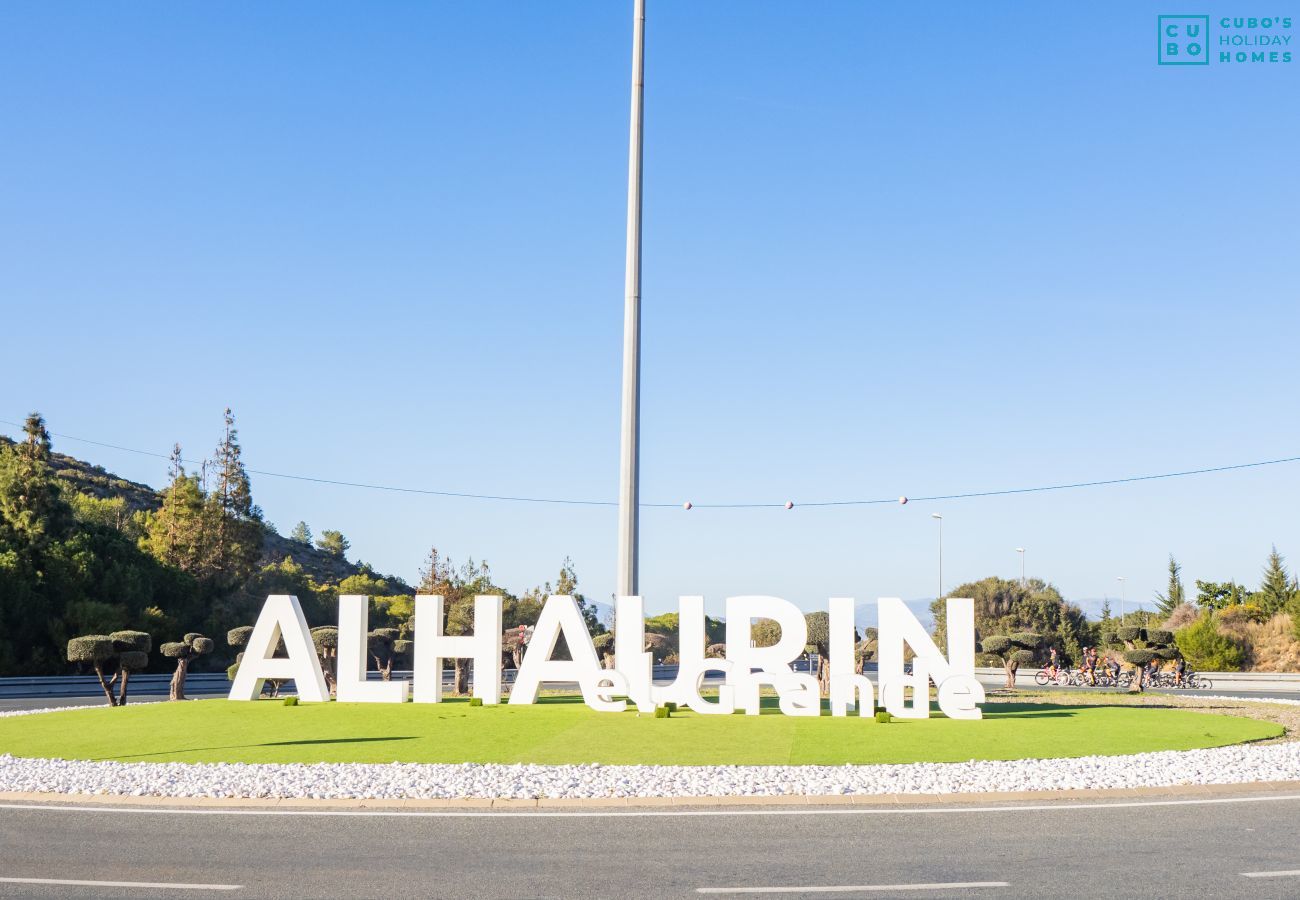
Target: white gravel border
pixel 1239 764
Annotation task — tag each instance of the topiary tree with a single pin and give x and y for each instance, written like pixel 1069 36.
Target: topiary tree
pixel 96 651
pixel 184 652
pixel 1145 645
pixel 326 640
pixel 239 637
pixel 132 650
pixel 819 642
pixel 1014 650
pixel 382 644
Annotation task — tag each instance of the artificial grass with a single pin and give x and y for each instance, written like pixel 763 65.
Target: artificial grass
pixel 564 730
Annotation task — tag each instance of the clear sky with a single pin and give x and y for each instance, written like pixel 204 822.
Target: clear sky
pixel 888 250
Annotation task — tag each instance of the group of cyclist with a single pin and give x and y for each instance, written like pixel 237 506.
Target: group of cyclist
pixel 1091 662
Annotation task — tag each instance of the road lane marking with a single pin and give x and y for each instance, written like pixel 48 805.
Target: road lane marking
pixel 1282 874
pixel 161 885
pixel 856 888
pixel 812 810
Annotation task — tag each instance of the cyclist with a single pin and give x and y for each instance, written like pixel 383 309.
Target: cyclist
pixel 1112 666
pixel 1180 669
pixel 1053 663
pixel 1153 671
pixel 1087 665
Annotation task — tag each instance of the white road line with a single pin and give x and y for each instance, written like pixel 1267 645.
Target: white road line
pixel 1282 874
pixel 855 888
pixel 161 885
pixel 643 813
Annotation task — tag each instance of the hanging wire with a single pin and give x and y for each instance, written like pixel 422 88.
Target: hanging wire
pixel 783 504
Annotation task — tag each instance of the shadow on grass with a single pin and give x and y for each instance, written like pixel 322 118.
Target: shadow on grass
pixel 354 740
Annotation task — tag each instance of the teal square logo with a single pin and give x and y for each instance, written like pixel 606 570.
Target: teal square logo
pixel 1183 40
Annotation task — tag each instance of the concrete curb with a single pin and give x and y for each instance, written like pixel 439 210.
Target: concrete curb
pixel 1190 791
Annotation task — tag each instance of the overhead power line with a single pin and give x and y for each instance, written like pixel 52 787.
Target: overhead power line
pixel 781 504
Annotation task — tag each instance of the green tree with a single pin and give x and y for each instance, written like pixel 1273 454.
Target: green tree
pixel 1174 595
pixel 185 651
pixel 1004 606
pixel 33 512
pixel 176 534
pixel 1206 649
pixel 1277 590
pixel 1221 595
pixel 234 522
pixel 333 543
pixel 1015 650
pixel 301 533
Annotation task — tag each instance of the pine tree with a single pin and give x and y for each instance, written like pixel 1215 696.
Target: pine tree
pixel 176 534
pixel 301 533
pixel 333 543
pixel 1277 589
pixel 234 522
pixel 1174 595
pixel 32 508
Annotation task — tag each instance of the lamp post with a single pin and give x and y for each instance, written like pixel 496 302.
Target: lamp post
pixel 940 518
pixel 1123 596
pixel 629 465
pixel 1021 551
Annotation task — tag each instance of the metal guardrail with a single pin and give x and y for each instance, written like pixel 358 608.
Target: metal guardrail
pixel 209 683
pixel 156 684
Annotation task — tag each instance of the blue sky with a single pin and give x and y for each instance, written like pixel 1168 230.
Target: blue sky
pixel 886 252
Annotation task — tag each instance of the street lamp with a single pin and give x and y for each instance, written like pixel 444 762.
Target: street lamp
pixel 940 518
pixel 1123 596
pixel 1021 551
pixel 629 475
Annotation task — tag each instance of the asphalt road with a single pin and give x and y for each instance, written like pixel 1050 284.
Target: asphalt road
pixel 1146 849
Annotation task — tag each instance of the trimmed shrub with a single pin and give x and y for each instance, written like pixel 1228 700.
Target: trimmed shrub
pixel 996 645
pixel 1014 649
pixel 661 712
pixel 475 701
pixel 883 717
pixel 1159 636
pixel 1129 633
pixel 1109 637
pixel 290 701
pixel 184 652
pixel 139 641
pixel 94 649
pixel 238 637
pixel 672 707
pixel 1139 657
pixel 132 661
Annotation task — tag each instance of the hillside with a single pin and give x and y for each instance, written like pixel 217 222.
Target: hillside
pixel 98 482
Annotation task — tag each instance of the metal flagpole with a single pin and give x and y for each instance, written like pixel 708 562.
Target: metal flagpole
pixel 629 465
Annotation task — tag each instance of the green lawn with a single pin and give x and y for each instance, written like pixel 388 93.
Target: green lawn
pixel 564 730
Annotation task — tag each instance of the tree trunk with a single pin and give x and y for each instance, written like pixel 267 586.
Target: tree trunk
pixel 461 678
pixel 108 691
pixel 386 670
pixel 1012 667
pixel 121 697
pixel 1139 681
pixel 178 680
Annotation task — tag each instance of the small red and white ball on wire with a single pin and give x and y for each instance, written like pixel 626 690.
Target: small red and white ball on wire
pixel 902 501
pixel 686 505
pixel 789 504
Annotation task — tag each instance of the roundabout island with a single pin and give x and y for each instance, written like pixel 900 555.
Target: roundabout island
pixel 560 750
